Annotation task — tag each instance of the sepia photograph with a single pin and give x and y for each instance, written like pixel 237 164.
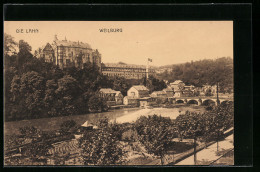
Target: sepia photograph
pixel 118 93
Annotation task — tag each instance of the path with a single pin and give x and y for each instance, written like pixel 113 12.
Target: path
pixel 208 155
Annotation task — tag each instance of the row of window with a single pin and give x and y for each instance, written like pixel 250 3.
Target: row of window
pixel 124 70
pixel 123 74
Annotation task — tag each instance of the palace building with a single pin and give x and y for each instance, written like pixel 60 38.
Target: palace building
pixel 66 53
pixel 125 70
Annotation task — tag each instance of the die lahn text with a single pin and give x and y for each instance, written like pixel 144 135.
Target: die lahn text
pixel 27 30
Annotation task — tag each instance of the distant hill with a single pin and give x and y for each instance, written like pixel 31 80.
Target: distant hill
pixel 201 72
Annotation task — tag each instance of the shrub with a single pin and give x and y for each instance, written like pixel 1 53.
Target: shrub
pixel 67 125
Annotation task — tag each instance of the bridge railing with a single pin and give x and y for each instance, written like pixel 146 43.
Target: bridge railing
pixel 204 97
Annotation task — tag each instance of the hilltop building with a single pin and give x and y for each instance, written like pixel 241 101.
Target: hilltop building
pixel 125 70
pixel 66 53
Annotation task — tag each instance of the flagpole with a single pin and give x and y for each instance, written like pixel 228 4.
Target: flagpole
pixel 147 67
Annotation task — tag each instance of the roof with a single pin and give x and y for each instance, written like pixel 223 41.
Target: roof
pixel 72 44
pixel 124 65
pixel 86 124
pixel 176 82
pixel 168 89
pixel 118 92
pixel 158 92
pixel 189 86
pixel 107 90
pixel 144 98
pixel 140 88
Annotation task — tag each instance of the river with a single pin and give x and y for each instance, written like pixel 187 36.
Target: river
pixel 120 115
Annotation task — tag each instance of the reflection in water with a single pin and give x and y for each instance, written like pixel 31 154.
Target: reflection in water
pixel 121 115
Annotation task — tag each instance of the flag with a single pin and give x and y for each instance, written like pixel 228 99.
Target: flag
pixel 150 60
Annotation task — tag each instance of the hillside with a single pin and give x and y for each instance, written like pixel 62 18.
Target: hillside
pixel 202 72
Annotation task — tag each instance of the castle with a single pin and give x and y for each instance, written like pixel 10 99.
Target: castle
pixel 66 53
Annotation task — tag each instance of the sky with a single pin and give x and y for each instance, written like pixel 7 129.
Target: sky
pixel 165 42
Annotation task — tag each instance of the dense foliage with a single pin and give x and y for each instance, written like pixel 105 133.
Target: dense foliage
pixel 36 89
pixel 66 126
pixel 207 126
pixel 203 72
pixel 101 146
pixel 155 133
pixel 154 84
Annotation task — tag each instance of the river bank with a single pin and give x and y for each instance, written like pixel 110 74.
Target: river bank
pixel 121 115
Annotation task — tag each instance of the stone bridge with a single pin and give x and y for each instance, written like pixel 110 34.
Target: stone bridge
pixel 202 100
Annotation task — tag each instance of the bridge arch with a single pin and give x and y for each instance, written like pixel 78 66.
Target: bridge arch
pixel 192 101
pixel 224 102
pixel 208 102
pixel 179 101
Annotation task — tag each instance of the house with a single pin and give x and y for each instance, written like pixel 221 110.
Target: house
pixel 189 87
pixel 169 92
pixel 129 100
pixel 147 101
pixel 187 93
pixel 177 93
pixel 111 96
pixel 158 94
pixel 177 85
pixel 138 91
pixel 209 90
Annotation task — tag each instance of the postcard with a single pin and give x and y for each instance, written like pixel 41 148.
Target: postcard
pixel 118 93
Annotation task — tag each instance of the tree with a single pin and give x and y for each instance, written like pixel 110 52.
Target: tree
pixel 155 133
pixel 97 104
pixel 9 45
pixel 24 55
pixel 218 120
pixel 29 131
pixel 32 88
pixel 101 147
pixel 27 93
pixel 191 125
pixel 50 96
pixel 67 92
pixel 67 125
pixel 37 150
pixel 203 72
pixel 121 84
pixel 67 86
pixel 9 74
pixel 153 84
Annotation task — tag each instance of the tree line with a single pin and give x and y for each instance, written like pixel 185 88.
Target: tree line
pixel 202 72
pixel 34 88
pixel 157 134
